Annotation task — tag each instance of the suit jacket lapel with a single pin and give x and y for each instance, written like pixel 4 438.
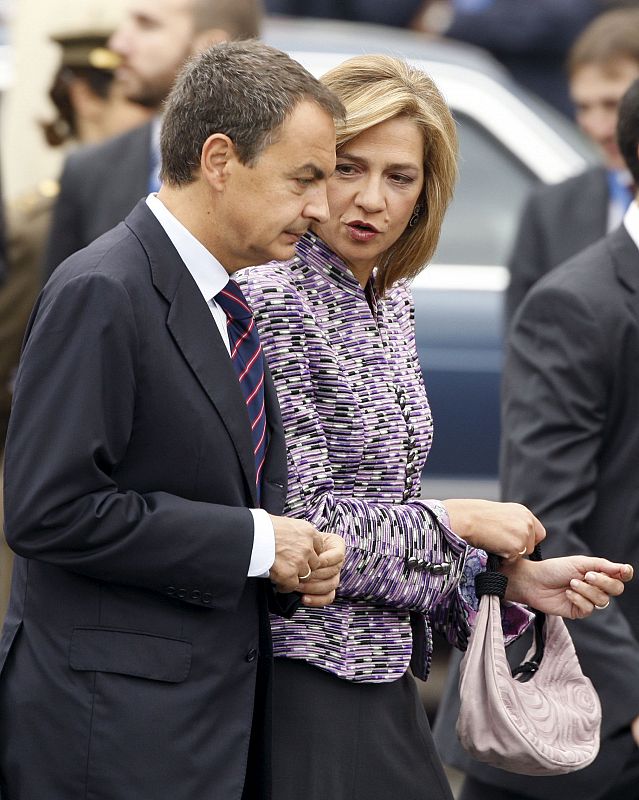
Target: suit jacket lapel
pixel 196 335
pixel 625 256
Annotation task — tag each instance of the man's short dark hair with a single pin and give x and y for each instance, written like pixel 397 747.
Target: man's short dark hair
pixel 611 37
pixel 245 90
pixel 628 129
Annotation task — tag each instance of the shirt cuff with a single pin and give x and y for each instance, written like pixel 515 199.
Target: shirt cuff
pixel 263 553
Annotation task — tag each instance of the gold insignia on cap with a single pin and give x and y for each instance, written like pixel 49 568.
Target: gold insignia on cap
pixel 102 58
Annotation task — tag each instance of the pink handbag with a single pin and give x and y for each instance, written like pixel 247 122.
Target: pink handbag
pixel 544 717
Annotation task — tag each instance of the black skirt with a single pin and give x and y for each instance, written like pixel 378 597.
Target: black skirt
pixel 338 740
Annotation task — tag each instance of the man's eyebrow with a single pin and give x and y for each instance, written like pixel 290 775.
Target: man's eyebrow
pixel 317 173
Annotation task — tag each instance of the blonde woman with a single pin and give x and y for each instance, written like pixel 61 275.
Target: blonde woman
pixel 336 325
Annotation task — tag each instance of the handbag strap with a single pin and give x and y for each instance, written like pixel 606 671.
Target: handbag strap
pixel 493 582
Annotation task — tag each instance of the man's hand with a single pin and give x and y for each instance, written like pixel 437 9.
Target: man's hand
pixel 297 544
pixel 319 588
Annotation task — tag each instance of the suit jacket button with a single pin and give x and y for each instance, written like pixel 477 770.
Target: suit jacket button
pixel 196 594
pixel 207 597
pixel 170 590
pixel 181 593
pixel 251 655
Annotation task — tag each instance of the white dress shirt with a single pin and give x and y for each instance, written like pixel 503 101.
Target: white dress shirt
pixel 631 221
pixel 211 277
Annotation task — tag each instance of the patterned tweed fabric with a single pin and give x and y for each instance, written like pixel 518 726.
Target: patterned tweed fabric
pixel 358 430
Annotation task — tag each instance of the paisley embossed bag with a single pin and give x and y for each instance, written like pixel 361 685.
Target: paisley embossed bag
pixel 541 718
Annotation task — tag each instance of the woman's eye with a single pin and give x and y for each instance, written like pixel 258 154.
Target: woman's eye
pixel 402 179
pixel 345 169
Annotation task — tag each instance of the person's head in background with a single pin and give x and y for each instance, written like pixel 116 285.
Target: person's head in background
pixel 158 36
pixel 602 63
pixel 628 130
pixel 90 105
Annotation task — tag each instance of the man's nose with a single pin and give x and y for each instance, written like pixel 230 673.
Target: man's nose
pixel 317 208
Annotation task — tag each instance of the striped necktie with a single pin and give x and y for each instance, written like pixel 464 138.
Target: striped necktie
pixel 247 358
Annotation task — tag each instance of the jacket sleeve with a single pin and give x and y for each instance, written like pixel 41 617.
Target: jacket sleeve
pixel 65 236
pixel 72 421
pixel 528 259
pixel 556 388
pixel 398 555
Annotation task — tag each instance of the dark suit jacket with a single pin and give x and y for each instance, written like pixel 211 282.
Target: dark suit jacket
pixel 557 223
pixel 129 650
pixel 99 186
pixel 570 452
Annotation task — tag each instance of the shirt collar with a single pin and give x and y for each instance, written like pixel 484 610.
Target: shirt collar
pixel 209 275
pixel 631 221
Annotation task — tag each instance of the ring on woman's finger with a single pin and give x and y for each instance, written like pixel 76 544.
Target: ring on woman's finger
pixel 307 576
pixel 523 552
pixel 601 608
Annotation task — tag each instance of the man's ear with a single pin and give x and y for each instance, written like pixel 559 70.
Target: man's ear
pixel 218 153
pixel 207 38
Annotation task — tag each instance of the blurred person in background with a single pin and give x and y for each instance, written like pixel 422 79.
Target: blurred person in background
pixel 570 450
pixel 101 184
pixel 529 37
pixel 337 328
pixel 89 107
pixel 561 219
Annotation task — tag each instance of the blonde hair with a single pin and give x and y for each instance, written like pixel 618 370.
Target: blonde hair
pixel 376 88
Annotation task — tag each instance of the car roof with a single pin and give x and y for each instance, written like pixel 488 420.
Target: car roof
pixel 472 82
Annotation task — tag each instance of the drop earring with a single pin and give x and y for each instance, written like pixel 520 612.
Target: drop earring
pixel 415 216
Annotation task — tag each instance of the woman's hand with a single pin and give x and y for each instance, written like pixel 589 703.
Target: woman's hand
pixel 508 530
pixel 571 587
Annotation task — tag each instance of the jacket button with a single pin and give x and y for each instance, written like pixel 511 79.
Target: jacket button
pixel 196 594
pixel 412 562
pixel 405 494
pixel 207 597
pixel 251 655
pixel 181 593
pixel 424 564
pixel 170 590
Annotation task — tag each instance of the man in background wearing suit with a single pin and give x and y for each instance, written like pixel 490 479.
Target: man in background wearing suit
pixel 560 220
pixel 101 184
pixel 570 451
pixel 145 449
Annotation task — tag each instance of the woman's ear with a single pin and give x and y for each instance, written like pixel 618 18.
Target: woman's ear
pixel 218 152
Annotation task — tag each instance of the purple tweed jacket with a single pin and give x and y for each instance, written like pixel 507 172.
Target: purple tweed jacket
pixel 358 429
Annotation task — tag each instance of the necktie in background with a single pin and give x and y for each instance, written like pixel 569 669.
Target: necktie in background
pixel 247 358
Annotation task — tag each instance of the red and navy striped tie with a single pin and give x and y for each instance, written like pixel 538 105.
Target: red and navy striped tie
pixel 247 358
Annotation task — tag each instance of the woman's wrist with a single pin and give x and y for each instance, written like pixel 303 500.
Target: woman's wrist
pixel 518 574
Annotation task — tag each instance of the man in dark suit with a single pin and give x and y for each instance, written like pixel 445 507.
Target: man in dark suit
pixel 135 654
pixel 101 184
pixel 570 451
pixel 558 221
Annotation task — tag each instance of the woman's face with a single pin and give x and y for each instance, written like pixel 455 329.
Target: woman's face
pixel 371 195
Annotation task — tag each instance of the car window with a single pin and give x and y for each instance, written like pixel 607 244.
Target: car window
pixel 482 220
